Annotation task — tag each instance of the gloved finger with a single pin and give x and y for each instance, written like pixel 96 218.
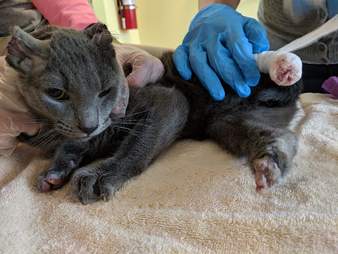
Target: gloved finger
pixel 221 61
pixel 256 35
pixel 208 78
pixel 181 61
pixel 241 51
pixel 145 69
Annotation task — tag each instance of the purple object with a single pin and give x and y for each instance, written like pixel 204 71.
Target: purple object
pixel 331 86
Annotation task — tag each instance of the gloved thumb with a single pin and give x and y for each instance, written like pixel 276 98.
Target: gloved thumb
pixel 181 61
pixel 256 35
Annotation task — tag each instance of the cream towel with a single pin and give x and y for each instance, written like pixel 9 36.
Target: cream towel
pixel 195 198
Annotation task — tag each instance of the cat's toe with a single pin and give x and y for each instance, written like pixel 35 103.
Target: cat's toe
pixel 267 172
pixel 108 187
pixel 50 180
pixel 105 192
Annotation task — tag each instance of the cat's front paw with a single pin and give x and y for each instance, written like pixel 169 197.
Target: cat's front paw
pixel 90 185
pixel 51 179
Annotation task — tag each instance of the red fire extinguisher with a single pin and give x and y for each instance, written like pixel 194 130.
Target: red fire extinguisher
pixel 127 11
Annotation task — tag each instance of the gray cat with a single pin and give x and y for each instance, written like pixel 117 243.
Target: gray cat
pixel 100 139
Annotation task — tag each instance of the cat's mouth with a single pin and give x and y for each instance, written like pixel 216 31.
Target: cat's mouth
pixel 75 133
pixel 101 128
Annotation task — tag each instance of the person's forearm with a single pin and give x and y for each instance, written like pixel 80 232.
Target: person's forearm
pixel 76 14
pixel 233 3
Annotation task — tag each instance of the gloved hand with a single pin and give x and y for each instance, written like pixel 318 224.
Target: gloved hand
pixel 14 118
pixel 220 45
pixel 145 68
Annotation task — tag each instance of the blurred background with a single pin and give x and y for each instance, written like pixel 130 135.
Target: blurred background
pixel 161 23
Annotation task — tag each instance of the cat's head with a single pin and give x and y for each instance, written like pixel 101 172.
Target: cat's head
pixel 72 79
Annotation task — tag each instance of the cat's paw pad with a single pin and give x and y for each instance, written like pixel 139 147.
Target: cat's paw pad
pixel 267 172
pixel 50 180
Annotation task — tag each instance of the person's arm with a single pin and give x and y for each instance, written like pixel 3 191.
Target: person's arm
pixel 76 14
pixel 204 3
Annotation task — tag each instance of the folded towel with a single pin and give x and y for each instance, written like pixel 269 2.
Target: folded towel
pixel 195 198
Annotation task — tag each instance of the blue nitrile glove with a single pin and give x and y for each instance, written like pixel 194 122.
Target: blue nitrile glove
pixel 220 45
pixel 332 7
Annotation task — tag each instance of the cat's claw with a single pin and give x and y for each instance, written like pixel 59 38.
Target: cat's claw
pixel 267 172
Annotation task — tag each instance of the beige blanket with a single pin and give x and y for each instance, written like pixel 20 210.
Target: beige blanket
pixel 195 198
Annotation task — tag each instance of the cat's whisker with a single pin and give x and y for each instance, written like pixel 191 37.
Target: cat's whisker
pixel 122 127
pixel 67 128
pixel 130 122
pixel 138 124
pixel 129 131
pixel 44 141
pixel 49 140
pixel 36 123
pixel 134 114
pixel 65 131
pixel 33 120
pixel 52 139
pixel 40 140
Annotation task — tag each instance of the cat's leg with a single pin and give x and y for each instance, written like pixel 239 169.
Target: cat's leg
pixel 67 158
pixel 269 94
pixel 270 150
pixel 167 112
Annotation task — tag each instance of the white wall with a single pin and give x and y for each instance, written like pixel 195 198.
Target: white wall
pixel 161 23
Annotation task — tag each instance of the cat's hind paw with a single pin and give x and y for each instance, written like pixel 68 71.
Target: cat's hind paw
pixel 267 172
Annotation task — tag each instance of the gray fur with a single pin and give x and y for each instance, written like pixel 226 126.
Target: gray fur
pixel 98 163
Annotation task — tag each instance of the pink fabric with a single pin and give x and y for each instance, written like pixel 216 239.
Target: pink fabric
pixel 76 14
pixel 331 86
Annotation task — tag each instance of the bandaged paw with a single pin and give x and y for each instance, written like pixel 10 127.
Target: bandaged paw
pixel 285 69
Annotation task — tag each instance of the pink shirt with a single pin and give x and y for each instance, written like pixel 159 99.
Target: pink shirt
pixel 76 14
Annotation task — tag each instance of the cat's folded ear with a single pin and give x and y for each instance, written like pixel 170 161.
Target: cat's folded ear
pixel 99 34
pixel 23 49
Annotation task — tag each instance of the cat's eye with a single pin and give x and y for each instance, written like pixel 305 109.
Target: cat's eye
pixel 105 92
pixel 57 94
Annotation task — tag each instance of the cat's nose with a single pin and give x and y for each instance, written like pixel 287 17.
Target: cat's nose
pixel 88 129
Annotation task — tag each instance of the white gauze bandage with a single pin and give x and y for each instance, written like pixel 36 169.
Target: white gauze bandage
pixel 284 67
